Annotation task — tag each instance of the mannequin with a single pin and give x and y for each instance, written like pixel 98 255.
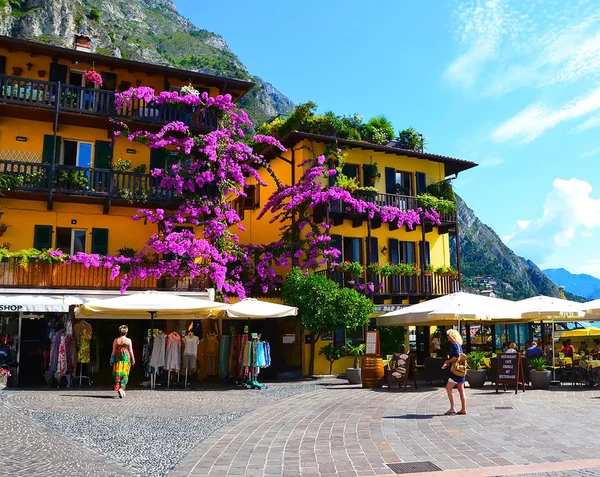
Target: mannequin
pixel 212 351
pixel 190 352
pixel 82 332
pixel 157 358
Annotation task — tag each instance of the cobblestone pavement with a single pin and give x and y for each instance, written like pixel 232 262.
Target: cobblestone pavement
pixel 566 473
pixel 86 432
pixel 292 430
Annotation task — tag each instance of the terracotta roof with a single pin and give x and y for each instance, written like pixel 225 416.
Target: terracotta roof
pixel 237 88
pixel 453 165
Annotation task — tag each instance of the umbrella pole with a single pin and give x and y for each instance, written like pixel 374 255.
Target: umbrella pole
pixel 553 362
pixel 153 375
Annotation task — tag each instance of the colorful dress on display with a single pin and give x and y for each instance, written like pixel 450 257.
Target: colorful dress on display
pixel 83 356
pixel 121 365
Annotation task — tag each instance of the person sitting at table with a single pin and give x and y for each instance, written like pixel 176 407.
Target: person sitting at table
pixel 583 349
pixel 504 346
pixel 567 348
pixel 435 346
pixel 526 347
pixel 596 349
pixel 512 348
pixel 535 351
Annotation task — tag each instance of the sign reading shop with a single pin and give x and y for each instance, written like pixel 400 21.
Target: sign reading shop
pixel 11 308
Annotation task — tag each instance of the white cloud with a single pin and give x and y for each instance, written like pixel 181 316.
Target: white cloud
pixel 591 153
pixel 510 44
pixel 492 162
pixel 590 123
pixel 534 120
pixel 569 212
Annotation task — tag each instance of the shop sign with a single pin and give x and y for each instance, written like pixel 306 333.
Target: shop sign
pixel 388 308
pixel 289 339
pixel 11 308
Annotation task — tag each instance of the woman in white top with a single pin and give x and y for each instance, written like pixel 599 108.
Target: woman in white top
pixel 512 348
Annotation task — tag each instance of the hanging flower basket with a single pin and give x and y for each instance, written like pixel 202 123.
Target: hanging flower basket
pixel 93 76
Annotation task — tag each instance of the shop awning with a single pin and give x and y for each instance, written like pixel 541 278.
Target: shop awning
pixel 33 304
pixel 251 308
pixel 166 306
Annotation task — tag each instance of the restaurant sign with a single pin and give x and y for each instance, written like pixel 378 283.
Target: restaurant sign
pixel 388 308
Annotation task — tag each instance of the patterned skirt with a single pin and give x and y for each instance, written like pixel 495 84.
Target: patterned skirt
pixel 121 367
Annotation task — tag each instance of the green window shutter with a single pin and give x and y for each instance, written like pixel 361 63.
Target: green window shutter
pixel 390 180
pixel 2 65
pixel 394 255
pixel 100 241
pixel 47 148
pixel 421 183
pixel 336 242
pixel 58 73
pixel 42 237
pixel 158 159
pixel 103 154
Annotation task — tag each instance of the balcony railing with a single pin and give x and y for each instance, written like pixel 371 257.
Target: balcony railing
pixel 81 181
pixel 396 285
pixel 98 102
pixel 76 276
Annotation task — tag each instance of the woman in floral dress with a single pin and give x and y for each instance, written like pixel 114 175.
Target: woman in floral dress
pixel 122 360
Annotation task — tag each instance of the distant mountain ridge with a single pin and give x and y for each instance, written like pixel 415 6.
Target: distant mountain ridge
pixel 581 284
pixel 486 259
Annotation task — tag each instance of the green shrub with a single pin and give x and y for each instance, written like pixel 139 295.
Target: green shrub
pixel 474 359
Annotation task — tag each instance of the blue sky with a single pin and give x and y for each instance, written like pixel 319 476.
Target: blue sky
pixel 512 85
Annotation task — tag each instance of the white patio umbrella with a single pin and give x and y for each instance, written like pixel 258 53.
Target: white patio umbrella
pixel 256 309
pixel 550 308
pixel 135 306
pixel 452 308
pixel 591 309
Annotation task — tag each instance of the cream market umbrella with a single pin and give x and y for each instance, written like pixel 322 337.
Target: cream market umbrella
pixel 452 308
pixel 550 308
pixel 255 309
pixel 591 309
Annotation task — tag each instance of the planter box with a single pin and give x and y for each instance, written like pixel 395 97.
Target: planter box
pixel 353 375
pixel 476 378
pixel 540 379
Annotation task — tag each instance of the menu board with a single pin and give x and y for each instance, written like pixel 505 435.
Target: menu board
pixel 400 366
pixel 372 343
pixel 510 371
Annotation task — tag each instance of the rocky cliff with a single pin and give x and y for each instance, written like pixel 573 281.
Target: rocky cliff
pixel 483 254
pixel 145 30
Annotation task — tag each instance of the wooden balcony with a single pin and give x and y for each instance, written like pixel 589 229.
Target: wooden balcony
pixel 63 98
pixel 396 286
pixel 43 181
pixel 338 212
pixel 76 276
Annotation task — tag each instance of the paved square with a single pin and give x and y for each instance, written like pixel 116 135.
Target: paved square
pixel 303 430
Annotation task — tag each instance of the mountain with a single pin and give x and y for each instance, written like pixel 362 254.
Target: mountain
pixel 145 30
pixel 581 284
pixel 487 262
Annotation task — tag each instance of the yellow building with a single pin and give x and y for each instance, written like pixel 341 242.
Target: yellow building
pixel 404 174
pixel 59 184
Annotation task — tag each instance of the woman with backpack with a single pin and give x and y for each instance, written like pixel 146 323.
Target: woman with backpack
pixel 458 371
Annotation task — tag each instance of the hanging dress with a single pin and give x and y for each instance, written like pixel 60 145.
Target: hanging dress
pixel 173 352
pixel 121 365
pixel 157 359
pixel 83 356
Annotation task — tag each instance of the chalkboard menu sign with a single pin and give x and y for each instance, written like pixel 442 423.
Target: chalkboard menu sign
pixel 400 368
pixel 510 371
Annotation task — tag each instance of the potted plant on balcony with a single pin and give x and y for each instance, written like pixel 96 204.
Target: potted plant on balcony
pixel 540 376
pixel 373 269
pixel 371 172
pixel 17 70
pixel 353 374
pixel 3 228
pixel 121 165
pixel 92 76
pixel 475 375
pixel 428 271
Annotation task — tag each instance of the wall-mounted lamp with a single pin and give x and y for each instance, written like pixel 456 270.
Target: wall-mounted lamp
pixel 21 139
pixel 29 66
pixel 130 151
pixel 138 83
pixel 384 250
pixel 75 62
pixel 73 222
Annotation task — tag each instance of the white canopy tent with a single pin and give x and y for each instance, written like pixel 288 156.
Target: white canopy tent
pixel 251 308
pixel 450 309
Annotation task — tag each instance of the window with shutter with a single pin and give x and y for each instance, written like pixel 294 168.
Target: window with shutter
pixel 48 148
pixel 58 73
pixel 390 180
pixel 158 159
pixel 394 253
pixel 421 183
pixel 103 152
pixel 42 237
pixel 2 65
pixel 100 241
pixel 109 81
pixel 252 199
pixel 373 250
pixel 424 249
pixel 353 249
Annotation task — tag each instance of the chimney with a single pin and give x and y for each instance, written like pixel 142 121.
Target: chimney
pixel 83 42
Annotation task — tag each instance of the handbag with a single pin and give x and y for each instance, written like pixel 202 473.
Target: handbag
pixel 459 367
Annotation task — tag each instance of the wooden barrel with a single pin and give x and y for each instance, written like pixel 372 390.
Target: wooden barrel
pixel 372 372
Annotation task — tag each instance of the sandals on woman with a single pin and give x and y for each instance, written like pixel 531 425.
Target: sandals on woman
pixel 449 413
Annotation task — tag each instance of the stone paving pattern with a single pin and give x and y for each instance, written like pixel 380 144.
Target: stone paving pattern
pixel 292 430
